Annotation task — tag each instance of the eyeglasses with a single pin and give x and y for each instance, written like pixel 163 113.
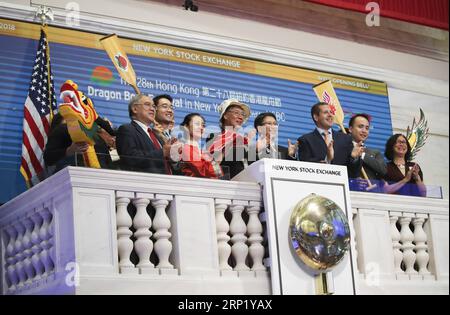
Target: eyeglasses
pixel 237 113
pixel 147 104
pixel 401 142
pixel 270 124
pixel 165 107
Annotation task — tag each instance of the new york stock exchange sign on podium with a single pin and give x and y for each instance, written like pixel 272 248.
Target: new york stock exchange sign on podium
pixel 309 225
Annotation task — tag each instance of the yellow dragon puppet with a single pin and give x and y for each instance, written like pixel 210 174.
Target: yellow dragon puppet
pixel 82 120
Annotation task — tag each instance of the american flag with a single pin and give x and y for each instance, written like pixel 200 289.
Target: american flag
pixel 40 106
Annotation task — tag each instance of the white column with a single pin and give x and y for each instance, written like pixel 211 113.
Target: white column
pixel 238 230
pixel 36 248
pixel 142 223
pixel 124 222
pixel 407 237
pixel 45 235
pixel 353 232
pixel 27 245
pixel 420 239
pixel 161 224
pixel 19 254
pixel 222 229
pixel 395 235
pixel 10 266
pixel 358 244
pixel 254 230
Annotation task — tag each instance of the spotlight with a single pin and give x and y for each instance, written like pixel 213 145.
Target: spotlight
pixel 189 5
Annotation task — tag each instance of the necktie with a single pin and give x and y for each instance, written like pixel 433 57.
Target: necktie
pixel 154 139
pixel 157 144
pixel 325 136
pixel 330 152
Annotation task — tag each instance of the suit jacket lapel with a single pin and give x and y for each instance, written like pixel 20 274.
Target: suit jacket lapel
pixel 319 136
pixel 143 134
pixel 321 141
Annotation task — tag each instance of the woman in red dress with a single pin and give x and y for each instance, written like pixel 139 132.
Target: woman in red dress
pixel 194 162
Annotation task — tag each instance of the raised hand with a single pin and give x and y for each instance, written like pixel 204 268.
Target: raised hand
pixel 358 150
pixel 292 148
pixel 77 147
pixel 415 173
pixel 330 151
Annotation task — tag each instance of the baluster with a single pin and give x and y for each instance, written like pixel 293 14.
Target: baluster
pixel 124 222
pixel 27 245
pixel 420 238
pixel 19 254
pixel 161 224
pixel 11 270
pixel 355 239
pixel 238 238
pixel 407 237
pixel 36 248
pixel 395 235
pixel 142 223
pixel 222 228
pixel 254 230
pixel 50 239
pixel 43 235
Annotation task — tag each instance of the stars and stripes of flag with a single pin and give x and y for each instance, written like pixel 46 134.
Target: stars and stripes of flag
pixel 40 106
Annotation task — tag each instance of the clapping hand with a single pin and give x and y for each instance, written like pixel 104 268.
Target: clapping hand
pixel 358 150
pixel 292 148
pixel 330 151
pixel 415 173
pixel 77 147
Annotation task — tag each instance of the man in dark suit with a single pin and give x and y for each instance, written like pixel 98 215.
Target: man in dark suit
pixel 372 160
pixel 137 144
pixel 324 145
pixel 266 144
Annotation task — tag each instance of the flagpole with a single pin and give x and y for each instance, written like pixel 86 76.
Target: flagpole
pixel 44 14
pixel 36 119
pixel 326 88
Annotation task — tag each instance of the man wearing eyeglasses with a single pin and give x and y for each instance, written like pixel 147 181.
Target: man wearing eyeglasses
pixel 164 114
pixel 137 144
pixel 266 144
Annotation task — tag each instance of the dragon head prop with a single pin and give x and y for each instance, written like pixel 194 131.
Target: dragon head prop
pixel 78 111
pixel 417 134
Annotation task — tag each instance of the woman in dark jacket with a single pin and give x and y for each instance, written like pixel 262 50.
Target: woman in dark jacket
pixel 403 176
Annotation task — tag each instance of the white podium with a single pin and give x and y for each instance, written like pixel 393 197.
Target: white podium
pixel 284 184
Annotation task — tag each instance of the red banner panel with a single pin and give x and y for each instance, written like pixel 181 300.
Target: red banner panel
pixel 432 13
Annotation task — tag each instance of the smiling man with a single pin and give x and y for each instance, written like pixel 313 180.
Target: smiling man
pixel 324 145
pixel 373 161
pixel 137 144
pixel 164 114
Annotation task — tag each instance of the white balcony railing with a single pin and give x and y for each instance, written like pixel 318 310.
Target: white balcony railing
pixel 402 244
pixel 86 231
